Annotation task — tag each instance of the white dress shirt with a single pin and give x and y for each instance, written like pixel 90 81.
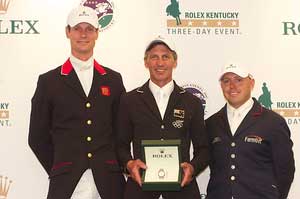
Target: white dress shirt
pixel 161 95
pixel 86 187
pixel 84 71
pixel 236 116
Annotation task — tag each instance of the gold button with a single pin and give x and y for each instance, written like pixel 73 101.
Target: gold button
pixel 232 156
pixel 233 144
pixel 89 122
pixel 162 126
pixel 232 178
pixel 88 105
pixel 89 155
pixel 232 167
pixel 89 139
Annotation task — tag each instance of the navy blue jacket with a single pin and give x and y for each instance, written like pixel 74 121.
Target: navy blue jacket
pixel 256 163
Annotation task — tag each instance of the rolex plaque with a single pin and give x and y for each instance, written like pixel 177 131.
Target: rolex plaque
pixel 163 159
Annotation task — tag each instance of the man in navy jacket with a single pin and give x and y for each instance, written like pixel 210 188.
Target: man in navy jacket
pixel 73 117
pixel 251 149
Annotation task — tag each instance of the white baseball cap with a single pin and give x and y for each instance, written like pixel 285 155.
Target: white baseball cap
pixel 82 14
pixel 161 40
pixel 237 69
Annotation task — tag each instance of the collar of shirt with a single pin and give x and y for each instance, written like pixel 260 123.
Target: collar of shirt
pixel 236 116
pixel 161 95
pixel 164 91
pixel 80 65
pixel 84 71
pixel 242 110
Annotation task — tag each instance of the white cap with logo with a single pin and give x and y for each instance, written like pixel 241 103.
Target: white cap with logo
pixel 82 14
pixel 161 39
pixel 237 69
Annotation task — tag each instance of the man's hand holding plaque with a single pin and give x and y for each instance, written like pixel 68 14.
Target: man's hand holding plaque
pixel 133 167
pixel 188 171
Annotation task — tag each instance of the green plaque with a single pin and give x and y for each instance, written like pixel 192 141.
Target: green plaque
pixel 163 159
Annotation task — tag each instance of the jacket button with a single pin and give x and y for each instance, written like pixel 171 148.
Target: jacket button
pixel 232 156
pixel 233 144
pixel 89 155
pixel 232 178
pixel 232 167
pixel 88 105
pixel 162 126
pixel 89 139
pixel 89 122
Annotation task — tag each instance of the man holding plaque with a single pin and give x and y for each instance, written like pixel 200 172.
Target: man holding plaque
pixel 160 120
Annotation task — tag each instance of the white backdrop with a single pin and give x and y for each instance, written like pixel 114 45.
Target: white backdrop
pixel 32 41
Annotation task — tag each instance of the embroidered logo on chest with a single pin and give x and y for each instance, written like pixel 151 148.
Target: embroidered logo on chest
pixel 253 139
pixel 179 113
pixel 178 123
pixel 105 90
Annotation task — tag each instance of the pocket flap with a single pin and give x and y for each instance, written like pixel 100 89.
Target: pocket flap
pixel 60 168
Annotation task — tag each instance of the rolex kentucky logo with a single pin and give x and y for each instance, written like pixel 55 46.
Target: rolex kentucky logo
pixel 290 110
pixel 4 6
pixel 104 9
pixel 4 187
pixel 186 18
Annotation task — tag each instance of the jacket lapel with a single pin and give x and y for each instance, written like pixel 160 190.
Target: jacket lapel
pixel 149 100
pixel 174 97
pixel 251 117
pixel 98 81
pixel 222 115
pixel 70 77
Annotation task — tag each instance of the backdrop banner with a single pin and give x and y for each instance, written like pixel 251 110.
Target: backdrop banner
pixel 264 35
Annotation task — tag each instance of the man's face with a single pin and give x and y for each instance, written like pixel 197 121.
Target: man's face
pixel 82 37
pixel 236 90
pixel 160 62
